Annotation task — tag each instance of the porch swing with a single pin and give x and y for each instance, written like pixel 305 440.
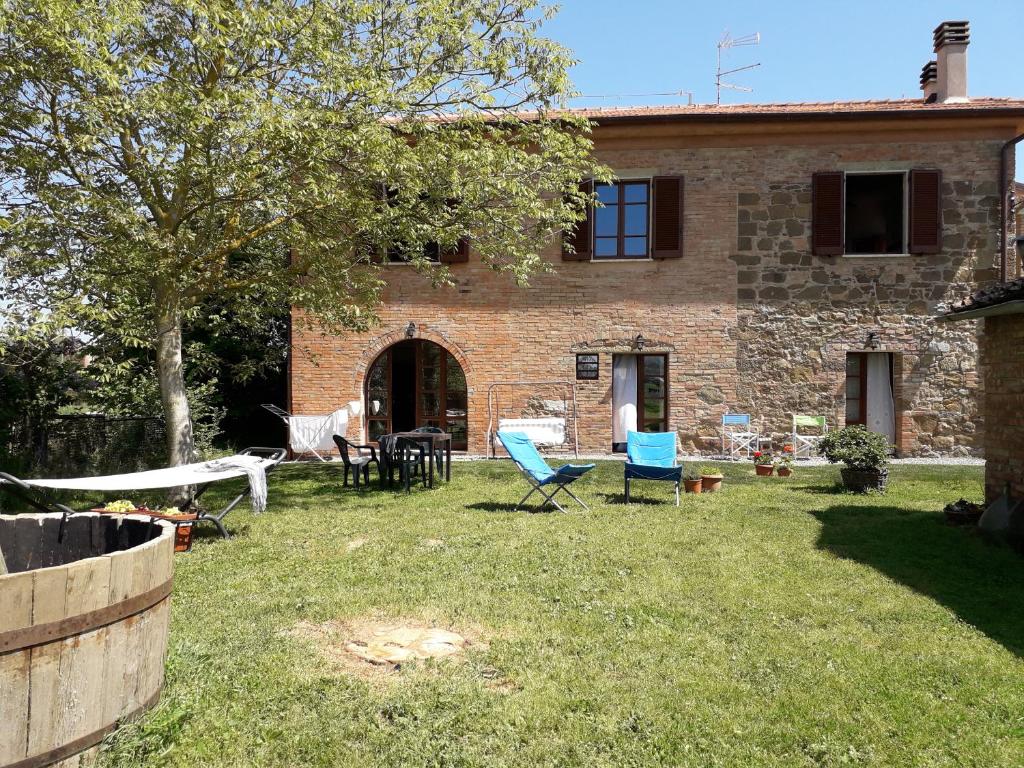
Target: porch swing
pixel 517 406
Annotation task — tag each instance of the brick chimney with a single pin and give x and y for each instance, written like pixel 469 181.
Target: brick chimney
pixel 929 81
pixel 951 40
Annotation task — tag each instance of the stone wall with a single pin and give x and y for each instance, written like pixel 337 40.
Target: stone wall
pixel 800 314
pixel 1002 356
pixel 751 321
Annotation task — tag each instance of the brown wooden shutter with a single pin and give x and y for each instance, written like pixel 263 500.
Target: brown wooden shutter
pixel 925 226
pixel 667 222
pixel 457 255
pixel 580 236
pixel 828 204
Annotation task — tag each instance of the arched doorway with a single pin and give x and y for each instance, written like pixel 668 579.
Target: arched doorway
pixel 416 383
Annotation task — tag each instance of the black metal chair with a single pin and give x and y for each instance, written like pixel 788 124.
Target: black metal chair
pixel 438 449
pixel 358 462
pixel 410 458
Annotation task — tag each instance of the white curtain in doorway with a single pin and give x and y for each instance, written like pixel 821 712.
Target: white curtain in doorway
pixel 881 412
pixel 623 396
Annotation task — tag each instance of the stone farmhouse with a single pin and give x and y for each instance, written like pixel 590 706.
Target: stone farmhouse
pixel 772 259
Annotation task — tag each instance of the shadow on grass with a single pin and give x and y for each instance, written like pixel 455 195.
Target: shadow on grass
pixel 620 498
pixel 509 507
pixel 980 582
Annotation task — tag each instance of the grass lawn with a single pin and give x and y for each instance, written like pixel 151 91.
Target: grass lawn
pixel 775 623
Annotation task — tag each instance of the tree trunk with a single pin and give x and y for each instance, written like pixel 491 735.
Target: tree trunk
pixel 177 415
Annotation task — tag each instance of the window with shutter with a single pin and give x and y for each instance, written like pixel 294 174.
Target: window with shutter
pixel 580 236
pixel 457 255
pixel 827 211
pixel 925 211
pixel 667 229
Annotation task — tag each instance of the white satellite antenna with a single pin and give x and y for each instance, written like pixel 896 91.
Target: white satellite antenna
pixel 726 43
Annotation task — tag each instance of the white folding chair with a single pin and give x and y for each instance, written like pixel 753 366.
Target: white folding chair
pixel 805 444
pixel 739 438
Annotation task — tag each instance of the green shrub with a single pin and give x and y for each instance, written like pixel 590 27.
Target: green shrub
pixel 856 447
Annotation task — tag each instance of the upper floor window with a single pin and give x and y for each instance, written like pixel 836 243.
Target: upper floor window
pixel 875 213
pixel 400 253
pixel 621 224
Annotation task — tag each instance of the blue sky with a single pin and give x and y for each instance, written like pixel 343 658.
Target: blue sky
pixel 809 51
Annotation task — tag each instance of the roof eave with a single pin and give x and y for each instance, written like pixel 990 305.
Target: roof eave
pixel 1013 307
pixel 838 115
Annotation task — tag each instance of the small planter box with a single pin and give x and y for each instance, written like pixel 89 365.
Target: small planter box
pixel 764 470
pixel 710 483
pixel 183 524
pixel 693 486
pixel 785 471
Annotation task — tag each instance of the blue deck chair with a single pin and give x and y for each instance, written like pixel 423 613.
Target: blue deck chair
pixel 652 456
pixel 538 473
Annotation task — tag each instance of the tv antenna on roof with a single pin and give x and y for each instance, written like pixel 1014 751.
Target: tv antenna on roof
pixel 727 42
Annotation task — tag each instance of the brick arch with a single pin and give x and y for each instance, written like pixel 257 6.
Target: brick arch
pixel 379 343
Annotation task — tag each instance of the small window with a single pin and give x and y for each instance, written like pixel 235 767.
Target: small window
pixel 875 213
pixel 401 253
pixel 586 367
pixel 621 224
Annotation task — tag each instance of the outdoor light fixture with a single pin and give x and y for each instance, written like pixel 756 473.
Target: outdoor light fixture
pixel 872 342
pixel 410 330
pixel 639 342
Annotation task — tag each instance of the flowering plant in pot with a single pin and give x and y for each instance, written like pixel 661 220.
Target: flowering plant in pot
pixel 764 464
pixel 692 482
pixel 864 453
pixel 711 478
pixel 784 464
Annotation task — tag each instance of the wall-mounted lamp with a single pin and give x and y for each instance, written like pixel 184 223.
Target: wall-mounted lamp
pixel 639 342
pixel 410 330
pixel 872 342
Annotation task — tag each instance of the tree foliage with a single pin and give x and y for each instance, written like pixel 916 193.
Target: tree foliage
pixel 159 157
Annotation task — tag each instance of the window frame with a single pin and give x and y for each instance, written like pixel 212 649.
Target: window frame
pixel 905 174
pixel 620 236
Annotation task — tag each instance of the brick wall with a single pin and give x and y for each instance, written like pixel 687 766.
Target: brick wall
pixel 750 319
pixel 1002 355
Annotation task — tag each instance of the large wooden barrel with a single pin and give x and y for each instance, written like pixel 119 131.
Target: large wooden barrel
pixel 83 630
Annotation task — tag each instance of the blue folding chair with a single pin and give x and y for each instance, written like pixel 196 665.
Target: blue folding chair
pixel 537 472
pixel 652 456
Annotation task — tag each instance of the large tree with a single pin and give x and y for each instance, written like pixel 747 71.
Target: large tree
pixel 157 154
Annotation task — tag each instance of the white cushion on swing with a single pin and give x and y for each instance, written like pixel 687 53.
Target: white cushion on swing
pixel 544 431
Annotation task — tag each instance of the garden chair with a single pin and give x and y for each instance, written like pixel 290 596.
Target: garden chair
pixel 409 457
pixel 805 443
pixel 537 472
pixel 438 450
pixel 652 456
pixel 360 462
pixel 739 437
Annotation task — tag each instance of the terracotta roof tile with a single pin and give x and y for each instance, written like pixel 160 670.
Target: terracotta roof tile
pixel 987 297
pixel 791 110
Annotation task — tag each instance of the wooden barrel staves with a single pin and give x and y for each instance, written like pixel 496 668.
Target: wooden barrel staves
pixel 83 630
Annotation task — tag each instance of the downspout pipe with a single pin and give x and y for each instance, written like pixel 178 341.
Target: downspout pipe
pixel 1004 205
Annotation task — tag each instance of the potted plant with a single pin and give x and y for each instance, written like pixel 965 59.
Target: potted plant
pixel 764 465
pixel 710 478
pixel 784 465
pixel 864 453
pixel 692 482
pixel 183 521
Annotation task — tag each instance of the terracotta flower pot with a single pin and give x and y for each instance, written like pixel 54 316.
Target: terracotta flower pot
pixel 785 471
pixel 764 470
pixel 692 486
pixel 710 483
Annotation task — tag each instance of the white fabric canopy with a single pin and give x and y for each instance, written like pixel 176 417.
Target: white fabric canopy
pixel 624 396
pixel 200 473
pixel 881 412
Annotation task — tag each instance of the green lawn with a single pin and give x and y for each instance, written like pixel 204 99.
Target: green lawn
pixel 775 623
